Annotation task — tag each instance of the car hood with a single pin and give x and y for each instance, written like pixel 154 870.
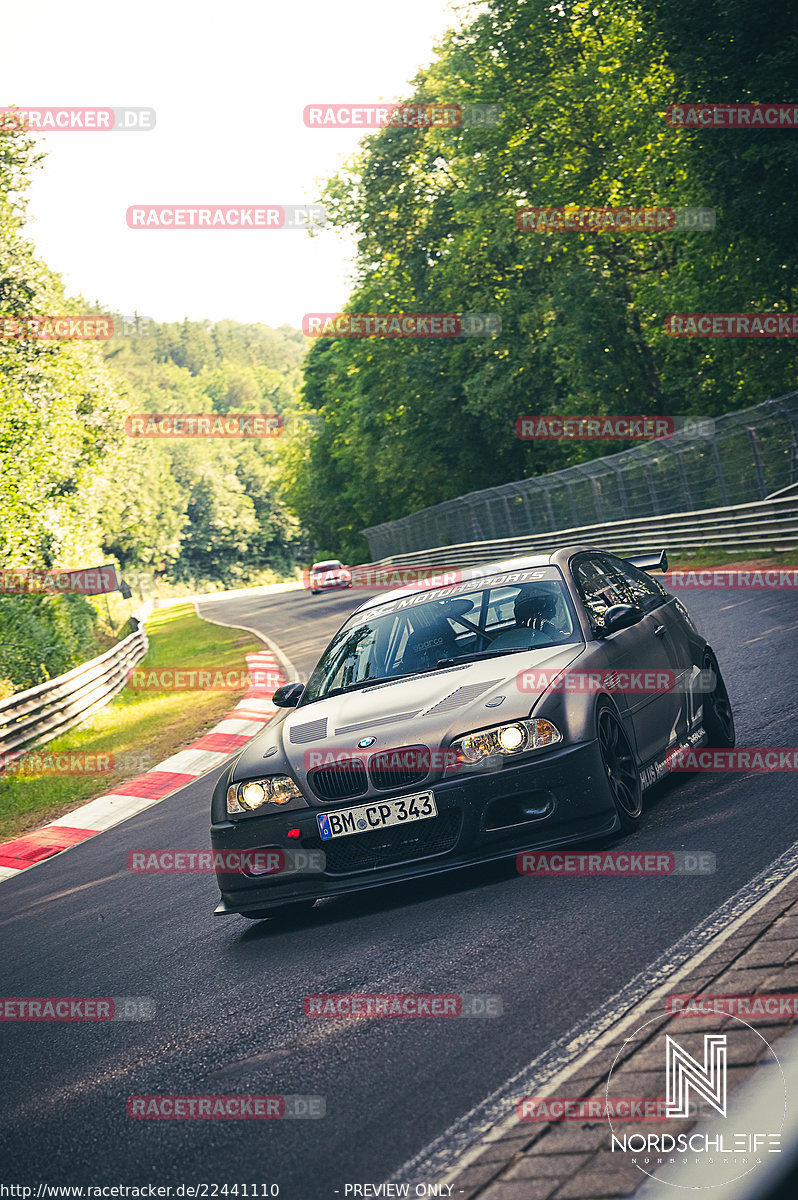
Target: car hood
pixel 429 710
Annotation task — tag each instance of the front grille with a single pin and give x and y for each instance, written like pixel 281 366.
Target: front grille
pixel 398 768
pixel 401 843
pixel 339 781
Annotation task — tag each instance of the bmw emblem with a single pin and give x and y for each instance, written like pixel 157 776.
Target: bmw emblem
pixel 366 742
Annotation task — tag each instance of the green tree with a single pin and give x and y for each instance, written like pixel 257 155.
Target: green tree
pixel 583 91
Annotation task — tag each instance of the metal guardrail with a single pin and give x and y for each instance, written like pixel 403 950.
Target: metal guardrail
pixel 766 525
pixel 48 709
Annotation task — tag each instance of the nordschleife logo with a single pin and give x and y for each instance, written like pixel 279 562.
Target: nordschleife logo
pixel 667 1105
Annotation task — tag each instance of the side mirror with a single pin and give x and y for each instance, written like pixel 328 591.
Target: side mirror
pixel 288 695
pixel 620 616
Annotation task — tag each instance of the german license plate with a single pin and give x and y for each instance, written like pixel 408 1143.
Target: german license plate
pixel 377 815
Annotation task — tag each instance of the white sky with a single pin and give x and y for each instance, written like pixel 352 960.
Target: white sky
pixel 228 82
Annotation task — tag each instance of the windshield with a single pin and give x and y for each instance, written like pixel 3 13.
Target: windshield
pixel 332 565
pixel 504 614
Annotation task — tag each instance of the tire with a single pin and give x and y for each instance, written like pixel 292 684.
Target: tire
pixel 286 910
pixel 718 715
pixel 620 768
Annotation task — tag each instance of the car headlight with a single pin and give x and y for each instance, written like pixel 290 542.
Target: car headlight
pixel 253 793
pixel 512 738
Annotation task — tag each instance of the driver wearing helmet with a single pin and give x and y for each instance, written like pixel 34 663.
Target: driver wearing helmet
pixel 536 609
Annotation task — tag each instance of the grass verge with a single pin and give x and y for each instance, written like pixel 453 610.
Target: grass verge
pixel 136 730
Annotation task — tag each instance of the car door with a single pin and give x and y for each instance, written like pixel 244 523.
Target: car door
pixel 682 648
pixel 642 647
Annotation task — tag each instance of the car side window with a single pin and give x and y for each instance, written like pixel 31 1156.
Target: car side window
pixel 646 591
pixel 600 586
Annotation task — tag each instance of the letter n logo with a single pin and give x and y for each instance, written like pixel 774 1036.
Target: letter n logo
pixel 683 1073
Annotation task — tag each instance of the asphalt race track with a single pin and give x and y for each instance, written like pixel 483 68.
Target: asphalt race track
pixel 227 993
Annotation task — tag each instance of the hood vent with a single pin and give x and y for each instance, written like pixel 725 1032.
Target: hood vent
pixel 310 732
pixel 463 695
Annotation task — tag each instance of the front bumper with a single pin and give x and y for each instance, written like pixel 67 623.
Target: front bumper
pixel 558 798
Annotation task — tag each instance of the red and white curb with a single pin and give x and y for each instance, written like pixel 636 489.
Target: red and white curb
pixel 248 717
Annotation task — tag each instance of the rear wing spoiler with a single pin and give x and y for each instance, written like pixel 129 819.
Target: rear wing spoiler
pixel 657 561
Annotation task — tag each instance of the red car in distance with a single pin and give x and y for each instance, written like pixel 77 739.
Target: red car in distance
pixel 324 576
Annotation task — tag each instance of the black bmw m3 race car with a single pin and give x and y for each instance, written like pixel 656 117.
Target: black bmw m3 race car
pixel 526 705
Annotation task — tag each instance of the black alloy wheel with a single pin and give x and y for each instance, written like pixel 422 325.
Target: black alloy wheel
pixel 621 771
pixel 718 716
